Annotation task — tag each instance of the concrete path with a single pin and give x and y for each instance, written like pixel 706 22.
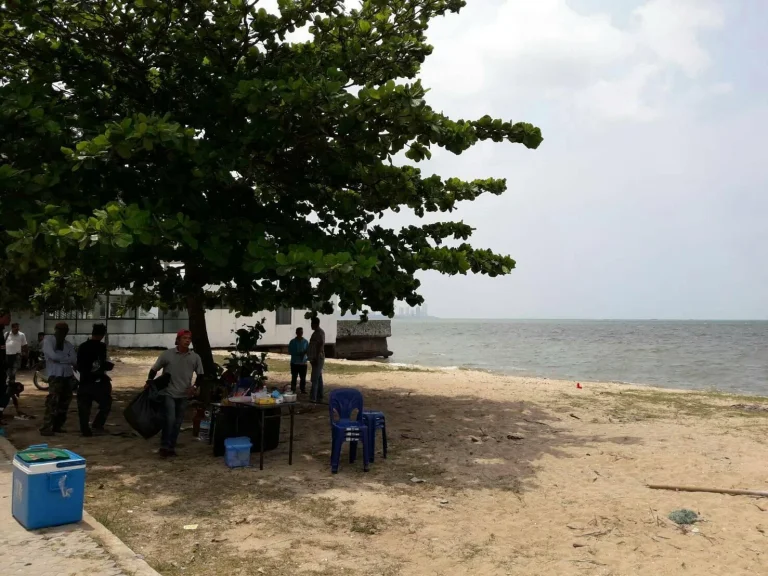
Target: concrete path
pixel 74 550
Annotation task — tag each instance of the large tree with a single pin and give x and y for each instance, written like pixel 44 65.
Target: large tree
pixel 138 133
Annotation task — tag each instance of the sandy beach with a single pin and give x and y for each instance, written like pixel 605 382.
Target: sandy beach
pixel 486 475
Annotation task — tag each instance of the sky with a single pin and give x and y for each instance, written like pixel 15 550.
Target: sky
pixel 647 197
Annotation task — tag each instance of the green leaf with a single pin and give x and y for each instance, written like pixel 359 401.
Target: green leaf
pixel 123 240
pixel 364 26
pixel 65 231
pixel 124 150
pixel 25 101
pixel 67 151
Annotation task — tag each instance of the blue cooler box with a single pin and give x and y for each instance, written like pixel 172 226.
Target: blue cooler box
pixel 238 452
pixel 48 487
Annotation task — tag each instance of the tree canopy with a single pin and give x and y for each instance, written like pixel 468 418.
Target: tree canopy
pixel 137 133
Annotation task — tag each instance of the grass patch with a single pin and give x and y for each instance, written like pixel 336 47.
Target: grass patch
pixel 368 525
pixel 469 551
pixel 649 404
pixel 343 368
pixel 277 365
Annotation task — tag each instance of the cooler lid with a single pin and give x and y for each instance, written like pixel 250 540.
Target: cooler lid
pixel 42 454
pixel 237 443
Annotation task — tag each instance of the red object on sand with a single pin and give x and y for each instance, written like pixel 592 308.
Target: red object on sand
pixel 578 386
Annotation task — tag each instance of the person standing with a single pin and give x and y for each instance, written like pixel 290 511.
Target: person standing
pixel 95 385
pixel 180 363
pixel 35 351
pixel 297 348
pixel 15 347
pixel 60 358
pixel 5 390
pixel 317 360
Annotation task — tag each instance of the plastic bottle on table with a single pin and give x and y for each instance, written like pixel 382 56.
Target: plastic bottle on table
pixel 205 427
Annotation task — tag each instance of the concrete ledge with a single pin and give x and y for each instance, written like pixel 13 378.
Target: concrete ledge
pixel 370 329
pixel 123 556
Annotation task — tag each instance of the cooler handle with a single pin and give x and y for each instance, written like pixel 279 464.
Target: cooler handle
pixel 68 463
pixel 57 482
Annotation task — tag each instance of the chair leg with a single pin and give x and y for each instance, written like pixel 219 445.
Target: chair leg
pixel 384 437
pixel 337 439
pixel 366 447
pixel 372 440
pixel 352 451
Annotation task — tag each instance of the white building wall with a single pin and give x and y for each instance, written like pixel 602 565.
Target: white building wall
pixel 220 323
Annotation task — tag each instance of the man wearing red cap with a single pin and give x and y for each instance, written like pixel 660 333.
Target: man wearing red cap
pixel 180 363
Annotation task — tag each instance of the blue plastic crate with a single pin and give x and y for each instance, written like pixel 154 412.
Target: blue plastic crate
pixel 48 493
pixel 237 452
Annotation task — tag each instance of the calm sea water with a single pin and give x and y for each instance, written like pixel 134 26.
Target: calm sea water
pixel 728 356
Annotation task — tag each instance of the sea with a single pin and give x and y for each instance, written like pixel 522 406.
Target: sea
pixel 729 356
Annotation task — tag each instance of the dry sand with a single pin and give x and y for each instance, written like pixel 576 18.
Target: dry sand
pixel 521 476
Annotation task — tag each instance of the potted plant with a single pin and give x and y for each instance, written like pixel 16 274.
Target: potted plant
pixel 244 362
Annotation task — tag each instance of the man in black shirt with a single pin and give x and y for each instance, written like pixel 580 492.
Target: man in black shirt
pixel 95 385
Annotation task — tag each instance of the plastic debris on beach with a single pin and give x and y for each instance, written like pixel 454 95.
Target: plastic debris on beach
pixel 683 517
pixel 751 407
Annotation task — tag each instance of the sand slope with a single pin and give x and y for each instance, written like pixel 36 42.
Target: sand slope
pixel 521 476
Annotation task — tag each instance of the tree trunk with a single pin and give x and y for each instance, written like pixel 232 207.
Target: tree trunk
pixel 200 342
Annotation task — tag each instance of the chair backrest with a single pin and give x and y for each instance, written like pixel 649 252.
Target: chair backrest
pixel 344 401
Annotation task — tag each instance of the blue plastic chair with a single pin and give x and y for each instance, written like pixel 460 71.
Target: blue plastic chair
pixel 375 421
pixel 341 405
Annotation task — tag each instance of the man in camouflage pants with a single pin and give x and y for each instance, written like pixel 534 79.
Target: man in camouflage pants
pixel 60 357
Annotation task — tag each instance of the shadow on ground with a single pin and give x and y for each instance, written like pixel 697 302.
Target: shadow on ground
pixel 452 444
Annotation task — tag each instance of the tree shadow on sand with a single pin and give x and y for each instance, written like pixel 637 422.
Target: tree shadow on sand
pixel 449 445
pixel 451 442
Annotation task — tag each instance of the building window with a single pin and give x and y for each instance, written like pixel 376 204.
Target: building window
pixel 283 316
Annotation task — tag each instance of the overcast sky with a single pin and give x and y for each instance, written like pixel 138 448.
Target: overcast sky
pixel 647 198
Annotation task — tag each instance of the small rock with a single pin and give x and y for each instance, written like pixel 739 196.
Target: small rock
pixel 140 556
pixel 218 539
pixel 250 519
pixel 579 545
pixel 695 530
pixel 442 502
pixel 417 480
pixel 515 437
pixel 190 527
pixel 475 439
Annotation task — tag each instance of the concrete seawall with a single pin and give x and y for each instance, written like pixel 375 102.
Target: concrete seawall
pixel 357 340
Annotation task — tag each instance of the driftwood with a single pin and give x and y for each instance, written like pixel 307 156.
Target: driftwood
pixel 758 493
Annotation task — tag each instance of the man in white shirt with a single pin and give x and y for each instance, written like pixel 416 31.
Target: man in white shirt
pixel 15 348
pixel 60 357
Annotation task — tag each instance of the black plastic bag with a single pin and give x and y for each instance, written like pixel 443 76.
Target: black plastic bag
pixel 146 413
